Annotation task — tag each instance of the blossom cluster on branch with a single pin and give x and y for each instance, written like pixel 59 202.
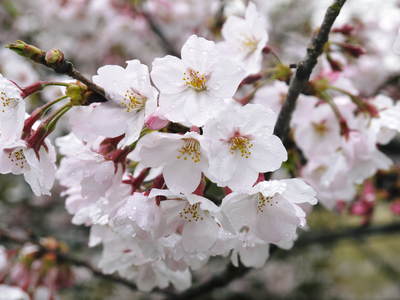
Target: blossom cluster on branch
pixel 146 147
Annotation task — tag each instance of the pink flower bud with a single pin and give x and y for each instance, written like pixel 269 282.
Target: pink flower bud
pixel 266 50
pixel 353 50
pixel 195 129
pixel 346 29
pixel 155 122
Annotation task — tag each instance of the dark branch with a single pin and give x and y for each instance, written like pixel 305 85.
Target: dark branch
pixel 54 59
pixel 231 273
pixel 304 69
pixel 220 280
pixel 346 233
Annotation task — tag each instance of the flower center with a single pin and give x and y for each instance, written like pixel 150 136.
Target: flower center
pixel 263 201
pixel 195 80
pixel 191 149
pixel 250 43
pixel 241 144
pixel 17 157
pixel 191 213
pixel 320 128
pixel 133 100
pixel 6 102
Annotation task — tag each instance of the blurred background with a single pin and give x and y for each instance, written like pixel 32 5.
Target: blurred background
pixel 92 33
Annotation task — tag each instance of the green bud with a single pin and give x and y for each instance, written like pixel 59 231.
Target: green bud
pixel 282 72
pixel 26 50
pixel 77 93
pixel 319 86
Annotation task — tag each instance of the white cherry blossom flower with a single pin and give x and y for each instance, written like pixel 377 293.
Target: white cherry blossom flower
pixel 388 121
pixel 38 168
pixel 363 155
pixel 242 145
pixel 253 251
pixel 133 99
pixel 328 175
pixel 122 254
pixel 93 184
pixel 193 215
pixel 245 38
pixel 320 133
pixel 182 157
pixel 192 89
pixel 12 111
pixel 271 210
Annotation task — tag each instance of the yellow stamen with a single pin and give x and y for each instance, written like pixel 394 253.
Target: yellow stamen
pixel 242 144
pixel 250 43
pixel 133 100
pixel 195 80
pixel 320 128
pixel 17 157
pixel 191 149
pixel 263 201
pixel 191 213
pixel 6 101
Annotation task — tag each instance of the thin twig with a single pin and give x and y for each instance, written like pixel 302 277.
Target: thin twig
pixel 165 43
pixel 61 66
pixel 304 69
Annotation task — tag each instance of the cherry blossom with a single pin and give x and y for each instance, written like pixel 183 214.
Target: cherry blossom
pixel 169 168
pixel 319 133
pixel 12 111
pixel 271 210
pixel 388 121
pixel 195 215
pixel 183 158
pixel 133 99
pixel 241 145
pixel 93 185
pixel 246 38
pixel 192 88
pixel 38 168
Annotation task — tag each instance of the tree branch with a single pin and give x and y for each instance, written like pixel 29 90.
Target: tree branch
pixel 217 281
pixel 71 260
pixel 55 60
pixel 328 237
pixel 231 273
pixel 304 69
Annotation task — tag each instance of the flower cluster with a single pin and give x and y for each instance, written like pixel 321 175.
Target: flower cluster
pixel 173 167
pixel 141 184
